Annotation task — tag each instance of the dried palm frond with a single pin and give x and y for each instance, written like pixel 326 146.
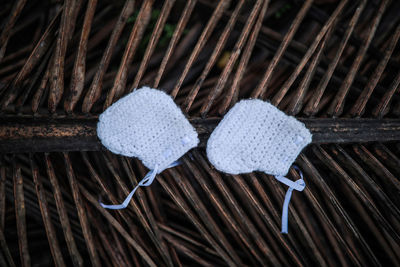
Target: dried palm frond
pixel 334 64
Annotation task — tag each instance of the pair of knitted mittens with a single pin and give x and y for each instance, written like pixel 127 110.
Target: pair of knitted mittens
pixel 253 136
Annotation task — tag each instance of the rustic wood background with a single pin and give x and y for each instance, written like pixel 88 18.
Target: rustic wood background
pixel 334 64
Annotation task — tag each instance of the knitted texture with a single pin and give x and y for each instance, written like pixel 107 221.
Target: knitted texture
pixel 256 136
pixel 147 124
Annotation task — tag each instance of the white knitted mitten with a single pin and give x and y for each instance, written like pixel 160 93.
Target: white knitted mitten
pixel 147 124
pixel 256 136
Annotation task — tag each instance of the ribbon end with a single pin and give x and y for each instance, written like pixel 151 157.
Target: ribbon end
pixel 113 207
pixel 146 181
pixel 298 185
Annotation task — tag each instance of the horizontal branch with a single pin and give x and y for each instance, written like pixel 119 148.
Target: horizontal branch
pixel 42 134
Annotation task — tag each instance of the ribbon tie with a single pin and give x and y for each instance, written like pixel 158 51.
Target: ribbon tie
pixel 146 181
pixel 298 185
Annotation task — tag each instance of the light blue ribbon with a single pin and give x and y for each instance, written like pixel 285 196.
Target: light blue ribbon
pixel 146 181
pixel 298 185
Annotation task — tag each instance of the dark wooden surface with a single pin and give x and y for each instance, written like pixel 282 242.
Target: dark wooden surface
pixel 332 63
pixel 21 134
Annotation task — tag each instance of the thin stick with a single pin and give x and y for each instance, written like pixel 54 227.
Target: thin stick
pixel 20 214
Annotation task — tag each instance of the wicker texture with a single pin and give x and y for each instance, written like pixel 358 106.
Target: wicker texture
pixel 333 64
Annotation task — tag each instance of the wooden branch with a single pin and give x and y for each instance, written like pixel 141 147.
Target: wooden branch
pixel 42 134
